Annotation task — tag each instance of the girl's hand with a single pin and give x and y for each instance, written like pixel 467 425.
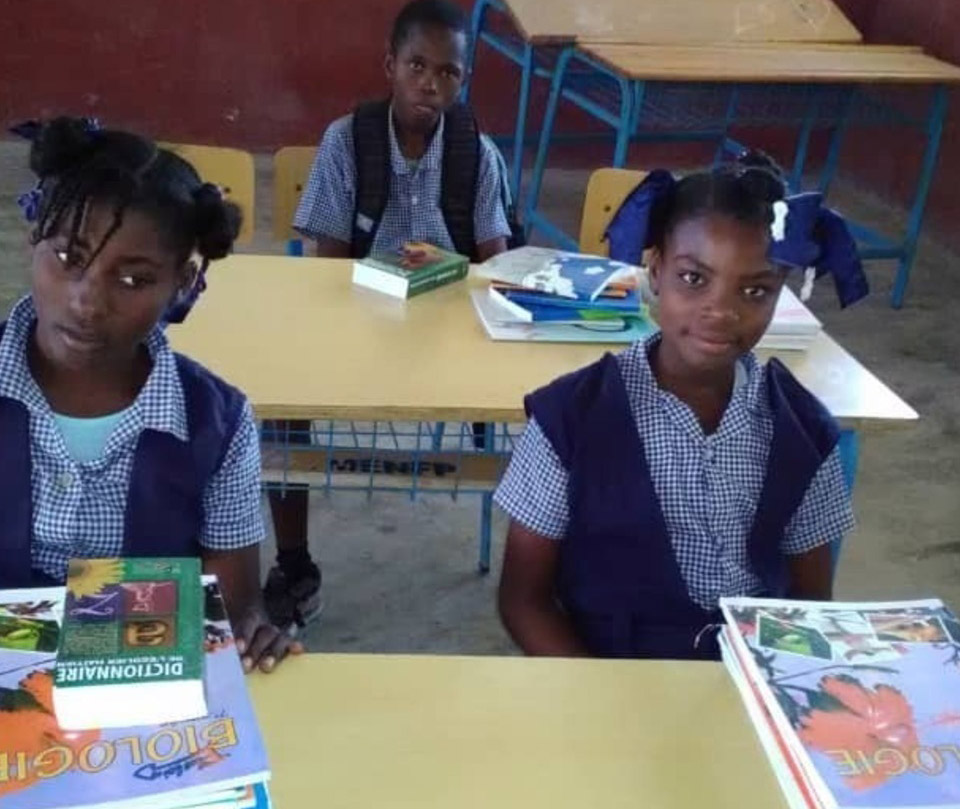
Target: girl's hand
pixel 260 644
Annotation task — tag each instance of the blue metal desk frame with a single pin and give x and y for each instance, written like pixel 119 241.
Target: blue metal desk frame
pixel 627 105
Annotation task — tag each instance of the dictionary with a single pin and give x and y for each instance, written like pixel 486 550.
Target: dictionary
pixel 217 762
pixel 131 648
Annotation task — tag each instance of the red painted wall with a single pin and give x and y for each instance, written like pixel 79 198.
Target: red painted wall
pixel 261 74
pixel 250 73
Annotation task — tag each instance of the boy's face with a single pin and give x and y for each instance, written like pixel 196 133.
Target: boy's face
pixel 426 74
pixel 91 312
pixel 717 291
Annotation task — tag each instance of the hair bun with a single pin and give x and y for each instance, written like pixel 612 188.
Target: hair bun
pixel 60 144
pixel 761 175
pixel 217 222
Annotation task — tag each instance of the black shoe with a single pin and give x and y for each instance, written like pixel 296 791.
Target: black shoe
pixel 293 603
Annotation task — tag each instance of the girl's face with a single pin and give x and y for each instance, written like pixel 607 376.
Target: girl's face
pixel 716 289
pixel 96 310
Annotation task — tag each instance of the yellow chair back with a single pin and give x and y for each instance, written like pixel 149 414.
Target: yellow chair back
pixel 232 170
pixel 606 191
pixel 291 166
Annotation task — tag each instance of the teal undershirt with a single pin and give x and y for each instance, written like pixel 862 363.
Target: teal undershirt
pixel 86 438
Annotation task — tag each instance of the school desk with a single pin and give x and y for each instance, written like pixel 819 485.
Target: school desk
pixel 696 92
pixel 304 343
pixel 658 70
pixel 345 731
pixel 542 26
pixel 681 21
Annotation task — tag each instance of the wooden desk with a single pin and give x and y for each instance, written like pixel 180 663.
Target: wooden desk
pixel 302 342
pixel 768 64
pixel 388 731
pixel 681 21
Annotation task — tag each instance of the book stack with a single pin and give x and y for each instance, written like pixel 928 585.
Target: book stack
pixel 417 268
pixel 131 646
pixel 855 704
pixel 551 296
pixel 215 761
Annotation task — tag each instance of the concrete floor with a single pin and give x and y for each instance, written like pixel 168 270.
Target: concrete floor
pixel 400 575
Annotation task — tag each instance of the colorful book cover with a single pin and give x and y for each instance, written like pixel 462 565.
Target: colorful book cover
pixel 131 649
pixel 572 275
pixel 416 268
pixel 628 304
pixel 866 694
pixel 499 325
pixel 568 275
pixel 547 313
pixel 42 766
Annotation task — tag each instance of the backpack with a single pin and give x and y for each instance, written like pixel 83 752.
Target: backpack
pixel 459 173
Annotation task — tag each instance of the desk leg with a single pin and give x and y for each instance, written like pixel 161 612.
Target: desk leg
pixel 486 507
pixel 726 145
pixel 478 18
pixel 938 111
pixel 833 156
pixel 849 446
pixel 631 101
pixel 520 131
pixel 438 436
pixel 295 247
pixel 546 132
pixel 803 140
pixel 486 529
pixel 631 97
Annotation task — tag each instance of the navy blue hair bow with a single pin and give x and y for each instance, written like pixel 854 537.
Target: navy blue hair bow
pixel 805 235
pixel 629 230
pixel 30 201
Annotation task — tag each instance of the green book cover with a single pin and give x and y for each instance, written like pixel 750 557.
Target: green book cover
pixel 129 621
pixel 417 261
pixel 417 268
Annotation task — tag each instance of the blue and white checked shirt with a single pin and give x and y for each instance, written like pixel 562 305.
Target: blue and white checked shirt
pixel 413 206
pixel 78 508
pixel 708 485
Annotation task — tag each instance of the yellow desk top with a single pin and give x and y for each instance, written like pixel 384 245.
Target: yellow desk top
pixel 393 731
pixel 302 342
pixel 666 21
pixel 798 62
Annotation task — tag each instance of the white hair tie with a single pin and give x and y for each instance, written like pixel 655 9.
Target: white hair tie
pixel 809 276
pixel 778 229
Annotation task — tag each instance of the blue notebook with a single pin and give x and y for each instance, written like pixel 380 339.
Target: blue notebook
pixel 534 301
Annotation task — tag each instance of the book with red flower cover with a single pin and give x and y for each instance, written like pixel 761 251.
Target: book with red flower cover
pixel 217 762
pixel 863 699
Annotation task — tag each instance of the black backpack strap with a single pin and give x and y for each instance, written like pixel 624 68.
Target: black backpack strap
pixel 461 168
pixel 371 156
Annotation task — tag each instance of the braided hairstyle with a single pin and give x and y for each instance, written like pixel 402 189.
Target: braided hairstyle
pixel 77 164
pixel 744 190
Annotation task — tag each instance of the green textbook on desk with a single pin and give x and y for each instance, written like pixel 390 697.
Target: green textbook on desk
pixel 131 648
